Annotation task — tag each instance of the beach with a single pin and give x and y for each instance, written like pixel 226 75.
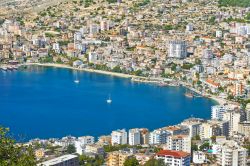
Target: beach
pixel 82 69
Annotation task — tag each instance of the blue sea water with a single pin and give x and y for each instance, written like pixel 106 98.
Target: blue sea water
pixel 44 102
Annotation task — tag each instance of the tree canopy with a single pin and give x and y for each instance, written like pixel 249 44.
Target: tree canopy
pixel 131 162
pixel 240 3
pixel 71 148
pixel 154 162
pixel 12 154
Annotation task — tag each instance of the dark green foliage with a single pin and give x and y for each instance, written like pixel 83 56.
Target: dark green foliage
pixel 154 162
pixel 109 148
pixel 63 43
pixel 212 20
pixel 240 3
pixel 117 69
pixel 111 1
pixel 187 66
pixel 1 21
pixel 89 161
pixel 168 27
pixel 131 162
pixel 143 3
pixel 12 154
pixel 48 59
pixel 71 149
pixel 204 146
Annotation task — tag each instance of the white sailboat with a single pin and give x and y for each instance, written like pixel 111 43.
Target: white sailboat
pixel 109 101
pixel 77 81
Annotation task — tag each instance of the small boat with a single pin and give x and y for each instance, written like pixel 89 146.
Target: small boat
pixel 162 84
pixel 109 101
pixel 10 68
pixel 189 94
pixel 77 81
pixel 4 68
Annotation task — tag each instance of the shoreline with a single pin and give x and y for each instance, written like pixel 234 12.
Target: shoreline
pixel 219 101
pixel 81 69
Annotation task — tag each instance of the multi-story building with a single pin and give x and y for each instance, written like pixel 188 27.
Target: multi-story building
pixel 218 112
pixel 94 149
pixel 174 158
pixel 144 136
pixel 158 136
pixel 93 29
pixel 134 137
pixel 194 126
pixel 230 153
pixel 119 137
pixel 179 143
pixel 234 118
pixel 66 160
pixel 177 49
pixel 117 158
pixel 199 157
pixel 244 128
pixel 238 89
pixel 83 141
pixel 207 130
pixel 248 112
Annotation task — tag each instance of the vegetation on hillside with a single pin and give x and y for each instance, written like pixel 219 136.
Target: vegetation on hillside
pixel 240 3
pixel 12 154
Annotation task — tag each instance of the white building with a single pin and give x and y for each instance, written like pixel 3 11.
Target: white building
pixel 81 142
pixel 56 47
pixel 234 119
pixel 208 129
pixel 119 137
pixel 134 137
pixel 66 160
pixel 194 126
pixel 207 54
pixel 177 49
pixel 179 143
pixel 93 29
pixel 219 34
pixel 104 25
pixel 158 136
pixel 77 36
pixel 93 57
pixel 218 112
pixel 199 157
pixel 189 27
pixel 95 149
pixel 174 158
pixel 248 112
pixel 230 153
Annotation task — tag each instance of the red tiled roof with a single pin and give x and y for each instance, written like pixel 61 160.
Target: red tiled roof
pixel 177 154
pixel 212 82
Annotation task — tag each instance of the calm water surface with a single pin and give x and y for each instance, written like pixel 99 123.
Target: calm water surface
pixel 45 102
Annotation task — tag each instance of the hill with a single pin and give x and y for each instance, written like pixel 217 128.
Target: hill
pixel 240 3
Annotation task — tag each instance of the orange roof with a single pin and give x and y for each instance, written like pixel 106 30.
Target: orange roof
pixel 172 128
pixel 212 82
pixel 177 154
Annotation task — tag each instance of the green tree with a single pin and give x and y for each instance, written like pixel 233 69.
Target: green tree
pixel 131 161
pixel 154 162
pixel 204 146
pixel 12 154
pixel 117 69
pixel 240 3
pixel 90 161
pixel 71 148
